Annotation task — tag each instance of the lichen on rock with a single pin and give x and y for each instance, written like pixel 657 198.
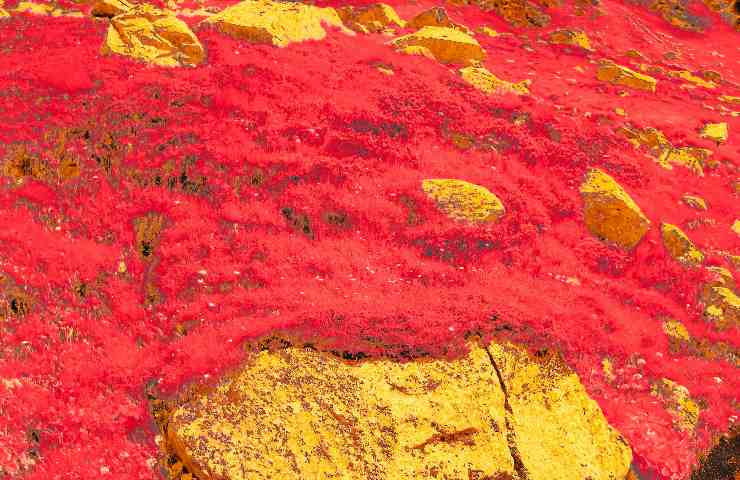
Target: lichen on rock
pixel 680 246
pixel 462 200
pixel 448 45
pixel 609 71
pixel 609 211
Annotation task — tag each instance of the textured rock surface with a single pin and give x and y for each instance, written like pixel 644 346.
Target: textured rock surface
pixel 679 245
pixel 275 23
pixel 499 412
pixel 371 18
pixel 620 75
pixel 151 35
pixel 487 82
pixel 448 45
pixel 609 211
pixel 462 200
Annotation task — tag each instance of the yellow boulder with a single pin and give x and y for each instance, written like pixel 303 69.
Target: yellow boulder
pixel 695 202
pixel 723 306
pixel 462 200
pixel 110 8
pixel 435 17
pixel 371 18
pixel 148 34
pixel 294 412
pixel 690 77
pixel 448 45
pixel 576 38
pixel 3 13
pixel 487 82
pixel 609 71
pixel 692 158
pixel 715 131
pixel 275 23
pixel 736 226
pixel 610 213
pixel 679 245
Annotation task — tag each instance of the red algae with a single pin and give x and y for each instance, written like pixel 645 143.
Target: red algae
pixel 289 181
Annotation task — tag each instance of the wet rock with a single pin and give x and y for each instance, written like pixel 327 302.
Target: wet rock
pixel 609 71
pixel 296 412
pixel 275 23
pixel 447 45
pixel 715 131
pixel 151 35
pixel 435 17
pixel 462 200
pixel 609 211
pixel 679 246
pixel 371 18
pixel 487 82
pixel 575 38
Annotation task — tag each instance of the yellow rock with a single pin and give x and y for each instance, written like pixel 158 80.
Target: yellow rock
pixel 635 54
pixel 676 331
pixel 736 226
pixel 34 8
pixel 301 413
pixel 461 200
pixel 370 19
pixel 729 99
pixel 110 8
pixel 3 13
pixel 679 403
pixel 148 34
pixel 723 308
pixel 541 393
pixel 715 131
pixel 417 50
pixel 620 112
pixel 679 245
pixel 487 82
pixel 712 76
pixel 694 202
pixel 609 71
pixel 489 31
pixel 576 38
pixel 275 23
pixel 610 213
pixel 690 157
pixel 448 45
pixel 690 77
pixel 435 17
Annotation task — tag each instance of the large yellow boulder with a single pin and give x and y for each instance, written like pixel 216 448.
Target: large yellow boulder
pixel 609 71
pixel 371 18
pixel 275 23
pixel 680 246
pixel 462 200
pixel 295 412
pixel 487 82
pixel 610 213
pixel 148 34
pixel 448 45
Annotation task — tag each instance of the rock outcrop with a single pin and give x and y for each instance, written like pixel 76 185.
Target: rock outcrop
pixel 447 45
pixel 609 71
pixel 462 200
pixel 679 245
pixel 487 82
pixel 499 412
pixel 275 23
pixel 151 35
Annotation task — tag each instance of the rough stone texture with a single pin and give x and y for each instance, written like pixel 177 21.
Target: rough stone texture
pixel 435 17
pixel 715 131
pixel 275 23
pixel 487 82
pixel 110 8
pixel 695 202
pixel 679 403
pixel 610 213
pixel 576 38
pixel 496 413
pixel 448 45
pixel 680 246
pixel 148 34
pixel 462 200
pixel 371 18
pixel 620 75
pixel 519 13
pixel 723 307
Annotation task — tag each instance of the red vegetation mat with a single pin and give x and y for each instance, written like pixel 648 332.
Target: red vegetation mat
pixel 280 188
